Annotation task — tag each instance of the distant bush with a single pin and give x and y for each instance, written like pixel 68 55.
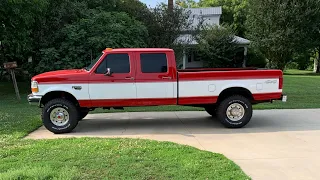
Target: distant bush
pixel 256 59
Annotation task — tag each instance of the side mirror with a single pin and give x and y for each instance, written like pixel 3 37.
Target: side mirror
pixel 108 73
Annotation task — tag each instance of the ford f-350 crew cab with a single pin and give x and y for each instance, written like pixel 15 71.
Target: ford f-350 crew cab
pixel 149 77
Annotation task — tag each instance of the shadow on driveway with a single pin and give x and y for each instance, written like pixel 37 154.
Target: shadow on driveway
pixel 195 123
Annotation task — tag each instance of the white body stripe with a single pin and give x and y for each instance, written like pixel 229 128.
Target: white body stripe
pixel 78 94
pixel 161 90
pixel 113 91
pixel 156 90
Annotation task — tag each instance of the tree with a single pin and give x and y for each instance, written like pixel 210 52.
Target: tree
pixel 281 28
pixel 87 37
pixel 165 27
pixel 234 13
pixel 16 21
pixel 170 5
pixel 217 47
pixel 187 3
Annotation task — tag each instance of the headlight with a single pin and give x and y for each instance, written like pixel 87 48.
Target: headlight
pixel 34 87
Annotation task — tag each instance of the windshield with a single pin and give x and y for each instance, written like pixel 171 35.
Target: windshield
pixel 93 62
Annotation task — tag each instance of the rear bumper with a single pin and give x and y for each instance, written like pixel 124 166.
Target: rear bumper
pixel 283 98
pixel 34 100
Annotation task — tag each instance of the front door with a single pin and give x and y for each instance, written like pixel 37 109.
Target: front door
pixel 117 89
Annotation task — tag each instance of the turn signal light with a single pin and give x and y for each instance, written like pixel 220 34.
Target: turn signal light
pixel 34 87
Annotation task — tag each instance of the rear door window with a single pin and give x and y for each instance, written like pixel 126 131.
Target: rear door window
pixel 154 63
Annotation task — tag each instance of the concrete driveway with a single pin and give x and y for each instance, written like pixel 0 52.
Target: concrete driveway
pixel 276 144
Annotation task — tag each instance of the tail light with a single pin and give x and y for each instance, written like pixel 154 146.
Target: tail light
pixel 281 82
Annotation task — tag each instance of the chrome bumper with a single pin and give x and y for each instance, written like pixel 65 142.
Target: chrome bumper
pixel 284 98
pixel 34 100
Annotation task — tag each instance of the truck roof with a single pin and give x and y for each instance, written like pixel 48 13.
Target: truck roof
pixel 138 49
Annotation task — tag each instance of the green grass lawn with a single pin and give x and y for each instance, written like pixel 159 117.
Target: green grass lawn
pixel 94 158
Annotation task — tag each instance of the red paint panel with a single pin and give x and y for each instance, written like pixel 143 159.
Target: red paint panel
pixel 214 69
pixel 63 77
pixel 197 100
pixel 267 96
pixel 229 75
pixel 128 102
pixel 155 50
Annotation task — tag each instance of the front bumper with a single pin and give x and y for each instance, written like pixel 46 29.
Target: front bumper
pixel 34 100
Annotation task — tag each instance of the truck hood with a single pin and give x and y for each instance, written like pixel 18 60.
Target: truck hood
pixel 62 76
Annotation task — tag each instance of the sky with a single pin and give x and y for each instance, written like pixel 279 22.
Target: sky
pixel 153 3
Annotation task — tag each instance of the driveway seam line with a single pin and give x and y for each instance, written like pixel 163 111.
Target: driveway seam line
pixel 175 113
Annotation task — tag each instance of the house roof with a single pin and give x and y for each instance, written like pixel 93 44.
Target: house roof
pixel 188 39
pixel 205 11
pixel 242 41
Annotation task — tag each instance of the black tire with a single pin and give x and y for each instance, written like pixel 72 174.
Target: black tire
pixel 66 105
pixel 83 113
pixel 234 100
pixel 212 110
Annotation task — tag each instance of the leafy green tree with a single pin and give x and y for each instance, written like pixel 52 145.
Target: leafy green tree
pixel 217 47
pixel 17 19
pixel 86 38
pixel 165 27
pixel 256 58
pixel 187 3
pixel 281 28
pixel 234 13
pixel 59 33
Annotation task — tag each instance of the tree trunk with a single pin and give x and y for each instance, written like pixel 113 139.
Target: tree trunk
pixel 317 62
pixel 170 5
pixel 315 65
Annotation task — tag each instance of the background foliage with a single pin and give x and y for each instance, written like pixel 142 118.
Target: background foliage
pixel 217 47
pixel 61 34
pixel 282 28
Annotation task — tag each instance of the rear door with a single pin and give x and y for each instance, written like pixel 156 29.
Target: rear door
pixel 154 79
pixel 117 89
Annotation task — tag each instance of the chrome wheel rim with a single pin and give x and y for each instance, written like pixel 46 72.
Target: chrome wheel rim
pixel 235 112
pixel 59 116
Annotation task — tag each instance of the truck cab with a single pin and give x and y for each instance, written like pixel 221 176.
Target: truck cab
pixel 148 77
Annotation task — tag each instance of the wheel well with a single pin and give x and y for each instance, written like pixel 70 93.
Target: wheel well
pixel 58 94
pixel 235 91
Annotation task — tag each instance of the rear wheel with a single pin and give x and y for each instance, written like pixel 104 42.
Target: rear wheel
pixel 60 116
pixel 235 112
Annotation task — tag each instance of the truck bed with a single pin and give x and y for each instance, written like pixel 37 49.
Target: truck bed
pixel 206 85
pixel 215 69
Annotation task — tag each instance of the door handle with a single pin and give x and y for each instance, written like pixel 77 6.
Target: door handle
pixel 129 78
pixel 165 77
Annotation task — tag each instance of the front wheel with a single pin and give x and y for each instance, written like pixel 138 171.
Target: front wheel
pixel 60 116
pixel 235 112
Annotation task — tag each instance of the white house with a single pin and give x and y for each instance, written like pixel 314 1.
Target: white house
pixel 208 16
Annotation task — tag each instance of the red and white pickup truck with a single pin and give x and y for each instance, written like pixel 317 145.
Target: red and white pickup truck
pixel 149 77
